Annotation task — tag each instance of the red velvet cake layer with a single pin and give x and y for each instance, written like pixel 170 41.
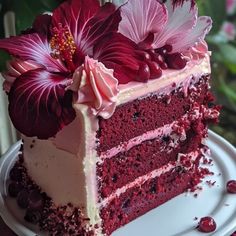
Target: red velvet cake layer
pixel 142 159
pixel 140 199
pixel 132 119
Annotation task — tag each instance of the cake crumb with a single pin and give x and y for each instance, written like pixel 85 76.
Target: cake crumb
pixel 210 183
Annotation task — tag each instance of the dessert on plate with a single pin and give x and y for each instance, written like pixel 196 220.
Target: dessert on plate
pixel 113 105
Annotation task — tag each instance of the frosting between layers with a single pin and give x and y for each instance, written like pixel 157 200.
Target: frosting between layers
pixel 153 174
pixel 194 114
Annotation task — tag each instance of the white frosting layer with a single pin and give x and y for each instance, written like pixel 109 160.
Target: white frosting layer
pixel 55 170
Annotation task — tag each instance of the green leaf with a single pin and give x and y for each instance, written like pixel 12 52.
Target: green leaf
pixel 28 10
pixel 3 58
pixel 232 68
pixel 216 9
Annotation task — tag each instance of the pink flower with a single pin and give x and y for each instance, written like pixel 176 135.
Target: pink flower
pixel 155 25
pixel 39 103
pixel 230 6
pixel 164 32
pixel 96 87
pixel 228 30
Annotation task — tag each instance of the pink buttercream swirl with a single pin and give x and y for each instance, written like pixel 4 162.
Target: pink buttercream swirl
pixel 96 87
pixel 16 68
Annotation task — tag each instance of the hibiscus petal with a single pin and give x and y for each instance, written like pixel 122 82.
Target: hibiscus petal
pixel 39 105
pixel 204 24
pixel 141 17
pixel 181 2
pixel 117 52
pixel 42 24
pixel 16 68
pixel 105 21
pixel 75 14
pixel 33 47
pixel 182 18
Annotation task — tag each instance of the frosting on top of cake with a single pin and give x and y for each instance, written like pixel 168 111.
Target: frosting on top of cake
pixel 83 53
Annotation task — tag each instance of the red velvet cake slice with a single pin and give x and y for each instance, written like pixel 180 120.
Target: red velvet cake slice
pixel 114 108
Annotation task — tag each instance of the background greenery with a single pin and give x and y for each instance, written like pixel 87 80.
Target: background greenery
pixel 223 58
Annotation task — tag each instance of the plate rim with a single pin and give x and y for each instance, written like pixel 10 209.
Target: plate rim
pixel 22 230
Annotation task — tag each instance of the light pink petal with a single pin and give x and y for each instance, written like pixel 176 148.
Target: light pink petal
pixel 140 17
pixel 182 18
pixel 204 24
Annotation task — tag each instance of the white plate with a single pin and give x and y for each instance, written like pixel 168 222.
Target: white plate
pixel 174 218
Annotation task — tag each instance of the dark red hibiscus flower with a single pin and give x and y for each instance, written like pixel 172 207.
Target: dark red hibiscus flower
pixel 46 56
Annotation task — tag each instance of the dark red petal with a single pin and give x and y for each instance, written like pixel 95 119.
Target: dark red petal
pixel 39 105
pixel 117 52
pixel 42 24
pixel 34 47
pixel 105 21
pixel 75 14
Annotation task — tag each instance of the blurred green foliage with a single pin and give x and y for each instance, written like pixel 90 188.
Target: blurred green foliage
pixel 223 57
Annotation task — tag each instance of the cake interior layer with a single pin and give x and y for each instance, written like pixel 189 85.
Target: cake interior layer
pixel 149 113
pixel 138 200
pixel 125 167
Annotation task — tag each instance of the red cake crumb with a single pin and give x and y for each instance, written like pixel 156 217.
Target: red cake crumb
pixel 207 161
pixel 206 225
pixel 210 183
pixel 231 186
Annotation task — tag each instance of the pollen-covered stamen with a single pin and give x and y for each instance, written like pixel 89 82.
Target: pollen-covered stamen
pixel 63 45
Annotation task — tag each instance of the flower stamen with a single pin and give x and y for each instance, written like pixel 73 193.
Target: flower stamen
pixel 63 45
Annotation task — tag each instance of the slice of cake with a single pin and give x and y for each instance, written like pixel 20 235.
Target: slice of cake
pixel 113 106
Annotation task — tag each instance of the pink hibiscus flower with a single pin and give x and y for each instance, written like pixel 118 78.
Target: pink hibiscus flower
pixel 164 31
pixel 47 56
